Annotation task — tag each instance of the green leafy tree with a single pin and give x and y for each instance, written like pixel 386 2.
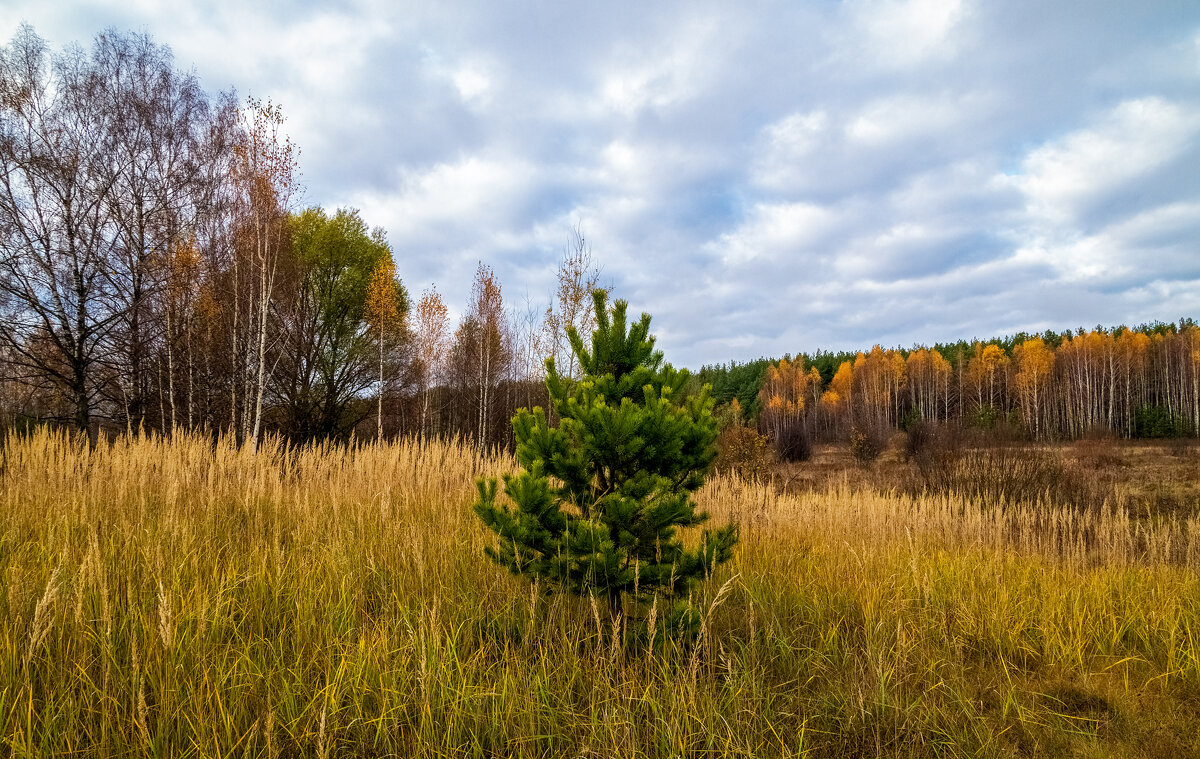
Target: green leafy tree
pixel 332 317
pixel 600 498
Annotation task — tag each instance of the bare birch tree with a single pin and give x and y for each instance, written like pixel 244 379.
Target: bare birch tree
pixel 158 121
pixel 266 173
pixel 55 230
pixel 577 276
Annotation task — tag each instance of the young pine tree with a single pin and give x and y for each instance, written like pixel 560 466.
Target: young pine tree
pixel 600 498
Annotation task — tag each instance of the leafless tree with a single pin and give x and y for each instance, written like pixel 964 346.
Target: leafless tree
pixel 55 223
pixel 158 120
pixel 577 276
pixel 265 176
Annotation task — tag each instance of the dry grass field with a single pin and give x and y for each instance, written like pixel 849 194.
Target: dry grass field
pixel 179 598
pixel 1148 478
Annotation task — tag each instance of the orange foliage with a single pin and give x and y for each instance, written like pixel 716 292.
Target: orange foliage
pixel 383 308
pixel 786 391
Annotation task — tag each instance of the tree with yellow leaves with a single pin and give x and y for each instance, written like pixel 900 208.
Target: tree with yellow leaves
pixel 785 394
pixel 383 314
pixel 577 278
pixel 836 400
pixel 432 333
pixel 1189 336
pixel 481 355
pixel 878 378
pixel 1133 349
pixel 928 381
pixel 1087 382
pixel 1035 368
pixel 183 276
pixel 987 375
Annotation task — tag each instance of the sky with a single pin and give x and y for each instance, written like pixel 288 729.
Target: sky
pixel 763 178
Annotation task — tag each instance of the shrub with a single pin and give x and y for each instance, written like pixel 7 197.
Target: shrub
pixel 792 441
pixel 729 415
pixel 983 417
pixel 867 442
pixel 921 435
pixel 1182 447
pixel 1099 452
pixel 743 452
pixel 934 448
pixel 997 474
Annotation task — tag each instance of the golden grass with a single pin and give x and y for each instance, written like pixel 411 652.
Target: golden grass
pixel 180 598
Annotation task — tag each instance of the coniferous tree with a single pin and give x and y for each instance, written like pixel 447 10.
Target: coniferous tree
pixel 601 497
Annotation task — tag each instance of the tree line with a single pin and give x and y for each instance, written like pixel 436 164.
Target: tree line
pixel 158 273
pixel 1131 382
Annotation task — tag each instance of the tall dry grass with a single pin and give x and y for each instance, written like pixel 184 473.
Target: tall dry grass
pixel 185 598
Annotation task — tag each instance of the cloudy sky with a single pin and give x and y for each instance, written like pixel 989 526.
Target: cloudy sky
pixel 761 177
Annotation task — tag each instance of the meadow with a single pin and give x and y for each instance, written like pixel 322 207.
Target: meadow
pixel 179 597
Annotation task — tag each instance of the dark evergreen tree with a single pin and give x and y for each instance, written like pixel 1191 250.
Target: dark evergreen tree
pixel 600 498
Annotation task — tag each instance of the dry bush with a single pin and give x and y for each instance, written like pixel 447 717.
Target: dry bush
pixel 923 439
pixel 868 442
pixel 991 467
pixel 1005 474
pixel 743 452
pixel 1099 453
pixel 1183 448
pixel 792 442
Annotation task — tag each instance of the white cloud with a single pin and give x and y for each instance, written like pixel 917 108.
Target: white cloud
pixel 905 32
pixel 1174 221
pixel 472 83
pixel 786 145
pixel 902 117
pixel 474 191
pixel 1099 205
pixel 775 231
pixel 798 134
pixel 1062 177
pixel 1151 245
pixel 664 74
pixel 646 170
pixel 471 78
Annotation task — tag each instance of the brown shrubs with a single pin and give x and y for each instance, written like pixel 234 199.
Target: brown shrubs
pixel 743 452
pixel 997 473
pixel 792 442
pixel 867 442
pixel 1099 454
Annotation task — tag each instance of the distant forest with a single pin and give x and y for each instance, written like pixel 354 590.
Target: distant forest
pixel 1139 381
